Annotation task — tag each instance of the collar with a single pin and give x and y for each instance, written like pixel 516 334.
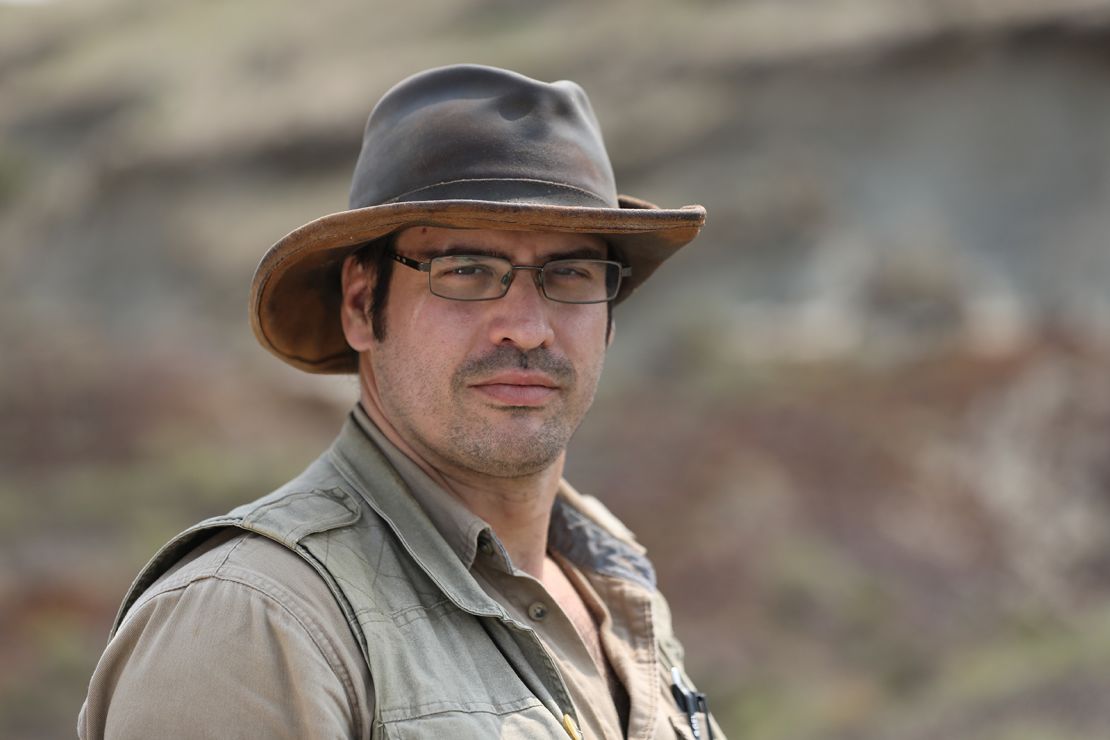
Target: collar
pixel 462 529
pixel 445 537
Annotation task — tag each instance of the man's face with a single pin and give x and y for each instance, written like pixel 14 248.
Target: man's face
pixel 496 387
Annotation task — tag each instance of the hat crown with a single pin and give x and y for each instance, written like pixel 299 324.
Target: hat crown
pixel 469 132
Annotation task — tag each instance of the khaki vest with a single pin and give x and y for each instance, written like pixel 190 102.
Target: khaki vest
pixel 447 660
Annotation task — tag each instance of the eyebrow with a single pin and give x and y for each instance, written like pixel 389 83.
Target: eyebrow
pixel 584 252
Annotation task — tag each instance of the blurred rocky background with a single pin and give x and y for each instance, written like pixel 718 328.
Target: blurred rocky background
pixel 863 425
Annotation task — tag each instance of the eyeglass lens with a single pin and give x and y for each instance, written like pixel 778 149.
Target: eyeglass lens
pixel 475 278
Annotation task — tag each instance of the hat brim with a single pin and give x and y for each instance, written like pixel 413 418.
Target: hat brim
pixel 296 294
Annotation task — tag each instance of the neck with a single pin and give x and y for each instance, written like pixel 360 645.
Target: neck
pixel 518 509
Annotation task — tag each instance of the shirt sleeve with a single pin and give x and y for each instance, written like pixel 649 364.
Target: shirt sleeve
pixel 229 653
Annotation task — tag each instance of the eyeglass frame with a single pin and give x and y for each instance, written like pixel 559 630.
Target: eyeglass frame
pixel 625 271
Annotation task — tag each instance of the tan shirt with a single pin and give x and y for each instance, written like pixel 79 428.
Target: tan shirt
pixel 283 662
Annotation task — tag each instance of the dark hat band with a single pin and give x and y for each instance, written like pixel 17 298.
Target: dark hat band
pixel 506 190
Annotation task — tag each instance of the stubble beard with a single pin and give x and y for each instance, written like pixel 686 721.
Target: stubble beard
pixel 484 449
pixel 511 445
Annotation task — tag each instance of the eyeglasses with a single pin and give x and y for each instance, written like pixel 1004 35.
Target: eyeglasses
pixel 473 277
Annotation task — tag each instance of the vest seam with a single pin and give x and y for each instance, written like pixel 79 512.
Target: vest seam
pixel 298 533
pixel 227 556
pixel 455 707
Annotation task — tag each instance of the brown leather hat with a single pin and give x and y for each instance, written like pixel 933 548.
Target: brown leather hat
pixel 467 147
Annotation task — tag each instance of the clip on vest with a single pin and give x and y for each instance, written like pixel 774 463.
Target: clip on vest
pixel 691 702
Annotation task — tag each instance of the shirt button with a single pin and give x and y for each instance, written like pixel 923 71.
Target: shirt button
pixel 537 611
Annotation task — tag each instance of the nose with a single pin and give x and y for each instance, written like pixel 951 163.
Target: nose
pixel 521 317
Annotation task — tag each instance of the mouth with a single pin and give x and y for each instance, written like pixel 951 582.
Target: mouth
pixel 518 389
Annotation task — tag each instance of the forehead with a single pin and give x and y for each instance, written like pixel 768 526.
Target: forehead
pixel 429 240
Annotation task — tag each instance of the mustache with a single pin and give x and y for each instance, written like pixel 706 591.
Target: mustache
pixel 505 357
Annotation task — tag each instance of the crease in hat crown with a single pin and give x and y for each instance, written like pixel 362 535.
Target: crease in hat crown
pixel 481 133
pixel 464 146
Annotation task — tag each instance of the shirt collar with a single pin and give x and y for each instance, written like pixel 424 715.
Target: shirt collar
pixel 581 529
pixel 456 524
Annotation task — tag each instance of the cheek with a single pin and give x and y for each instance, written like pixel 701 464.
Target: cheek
pixel 421 316
pixel 582 339
pixel 587 329
pixel 433 334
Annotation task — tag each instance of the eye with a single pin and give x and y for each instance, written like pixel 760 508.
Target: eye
pixel 464 267
pixel 467 270
pixel 571 270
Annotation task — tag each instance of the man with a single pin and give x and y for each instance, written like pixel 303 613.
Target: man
pixel 431 575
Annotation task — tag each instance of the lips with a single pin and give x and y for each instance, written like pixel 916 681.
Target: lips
pixel 518 388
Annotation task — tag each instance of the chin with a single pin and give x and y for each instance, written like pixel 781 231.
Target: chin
pixel 510 454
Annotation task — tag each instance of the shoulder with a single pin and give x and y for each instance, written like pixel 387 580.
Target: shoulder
pixel 240 621
pixel 235 575
pixel 236 564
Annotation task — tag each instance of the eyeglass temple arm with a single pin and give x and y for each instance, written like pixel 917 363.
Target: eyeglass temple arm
pixel 421 266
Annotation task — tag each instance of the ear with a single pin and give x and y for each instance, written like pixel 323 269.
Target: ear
pixel 610 332
pixel 354 311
